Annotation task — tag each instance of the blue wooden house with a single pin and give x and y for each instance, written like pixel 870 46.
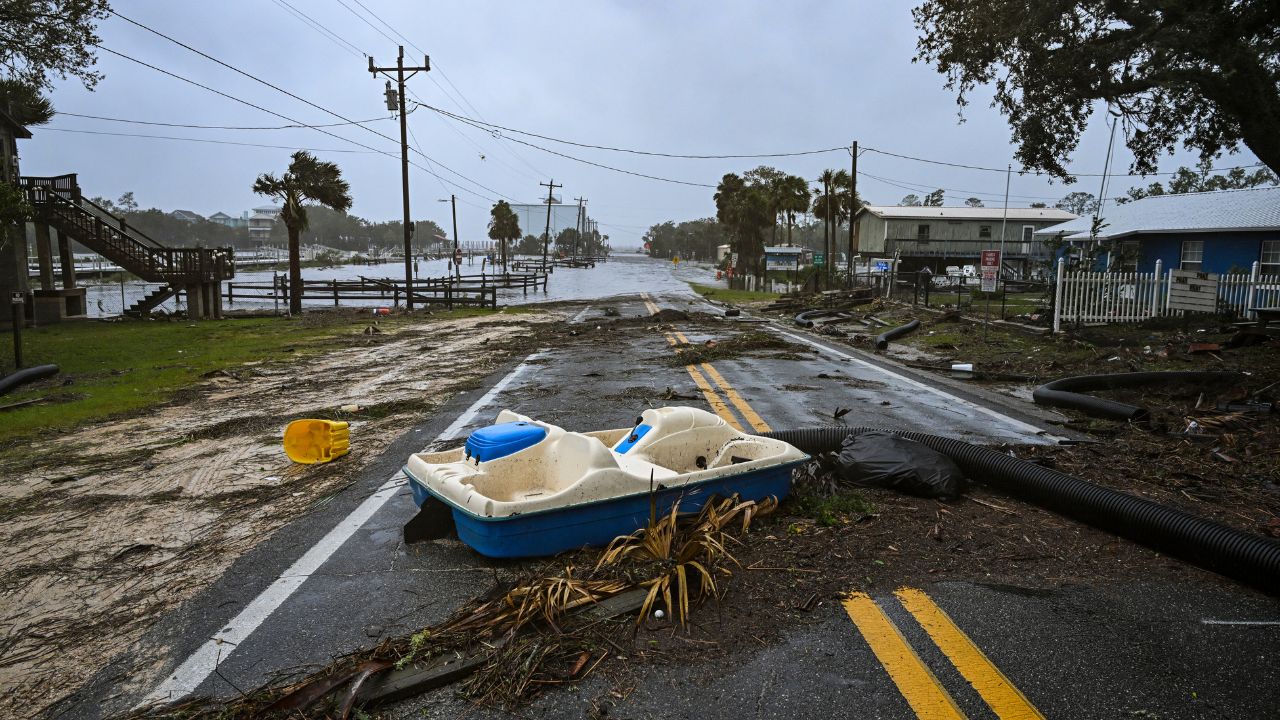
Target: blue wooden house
pixel 1225 231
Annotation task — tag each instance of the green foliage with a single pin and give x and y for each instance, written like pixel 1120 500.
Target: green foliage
pixel 1186 180
pixel 504 226
pixel 45 40
pixel 1205 74
pixel 13 208
pixel 1078 203
pixel 745 210
pixel 933 199
pixel 973 202
pixel 833 510
pixel 122 367
pixel 691 240
pixel 24 103
pixel 529 245
pixel 911 200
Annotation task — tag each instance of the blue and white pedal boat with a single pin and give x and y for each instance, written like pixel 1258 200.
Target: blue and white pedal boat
pixel 523 488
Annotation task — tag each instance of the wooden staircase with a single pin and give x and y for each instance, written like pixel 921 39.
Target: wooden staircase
pixel 151 301
pixel 57 202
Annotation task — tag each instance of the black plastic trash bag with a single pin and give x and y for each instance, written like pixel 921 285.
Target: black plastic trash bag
pixel 886 460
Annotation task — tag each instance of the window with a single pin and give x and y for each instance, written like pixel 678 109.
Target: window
pixel 1127 255
pixel 984 231
pixel 1192 255
pixel 922 233
pixel 1028 231
pixel 1269 262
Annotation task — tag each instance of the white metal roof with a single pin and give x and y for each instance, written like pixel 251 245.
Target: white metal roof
pixel 914 212
pixel 1217 211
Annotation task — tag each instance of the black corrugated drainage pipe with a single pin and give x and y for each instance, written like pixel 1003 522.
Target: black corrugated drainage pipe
pixel 1066 392
pixel 882 340
pixel 809 318
pixel 1251 559
pixel 22 377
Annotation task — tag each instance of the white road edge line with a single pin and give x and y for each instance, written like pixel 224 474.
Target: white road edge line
pixel 193 671
pixel 1025 427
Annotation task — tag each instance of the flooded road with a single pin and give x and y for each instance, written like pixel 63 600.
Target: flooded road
pixel 621 275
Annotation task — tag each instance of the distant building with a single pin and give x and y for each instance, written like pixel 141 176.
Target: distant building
pixel 186 216
pixel 941 236
pixel 222 218
pixel 261 221
pixel 1206 231
pixel 533 218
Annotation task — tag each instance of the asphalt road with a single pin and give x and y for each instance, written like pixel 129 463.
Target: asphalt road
pixel 340 578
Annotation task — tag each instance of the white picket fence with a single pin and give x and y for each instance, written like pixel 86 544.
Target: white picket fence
pixel 1110 297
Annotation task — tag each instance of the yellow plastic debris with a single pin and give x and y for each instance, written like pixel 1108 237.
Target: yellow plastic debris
pixel 316 441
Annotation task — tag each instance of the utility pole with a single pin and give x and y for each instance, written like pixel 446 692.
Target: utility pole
pixel 582 226
pixel 400 70
pixel 546 239
pixel 853 206
pixel 830 233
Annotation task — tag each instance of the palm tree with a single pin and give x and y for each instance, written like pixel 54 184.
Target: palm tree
pixel 792 198
pixel 307 180
pixel 745 210
pixel 504 227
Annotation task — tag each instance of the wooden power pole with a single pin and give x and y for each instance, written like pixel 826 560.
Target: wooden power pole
pixel 582 226
pixel 853 207
pixel 546 238
pixel 400 71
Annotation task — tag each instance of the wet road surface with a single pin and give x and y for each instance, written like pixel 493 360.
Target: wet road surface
pixel 341 579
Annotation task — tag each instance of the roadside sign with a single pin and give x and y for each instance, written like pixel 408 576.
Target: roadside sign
pixel 782 258
pixel 882 267
pixel 990 270
pixel 819 259
pixel 1193 291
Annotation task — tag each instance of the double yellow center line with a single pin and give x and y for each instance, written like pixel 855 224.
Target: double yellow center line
pixel 918 685
pixel 718 405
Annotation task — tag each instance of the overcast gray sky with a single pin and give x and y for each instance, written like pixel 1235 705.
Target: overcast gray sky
pixel 690 78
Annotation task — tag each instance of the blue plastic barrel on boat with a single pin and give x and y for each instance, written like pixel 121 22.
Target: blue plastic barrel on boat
pixel 495 441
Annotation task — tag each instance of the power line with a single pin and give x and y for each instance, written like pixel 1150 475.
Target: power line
pixel 918 187
pixel 1025 171
pixel 490 127
pixel 390 27
pixel 206 140
pixel 578 159
pixel 456 100
pixel 366 22
pixel 279 89
pixel 326 32
pixel 272 112
pixel 293 126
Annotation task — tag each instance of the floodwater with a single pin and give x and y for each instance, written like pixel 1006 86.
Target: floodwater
pixel 621 275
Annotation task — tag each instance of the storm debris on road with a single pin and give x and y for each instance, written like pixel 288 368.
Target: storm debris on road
pixel 523 635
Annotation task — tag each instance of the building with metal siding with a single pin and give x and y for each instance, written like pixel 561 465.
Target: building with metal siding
pixel 1220 232
pixel 940 236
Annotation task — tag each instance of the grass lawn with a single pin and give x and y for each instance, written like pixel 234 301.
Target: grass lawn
pixel 121 367
pixel 732 296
